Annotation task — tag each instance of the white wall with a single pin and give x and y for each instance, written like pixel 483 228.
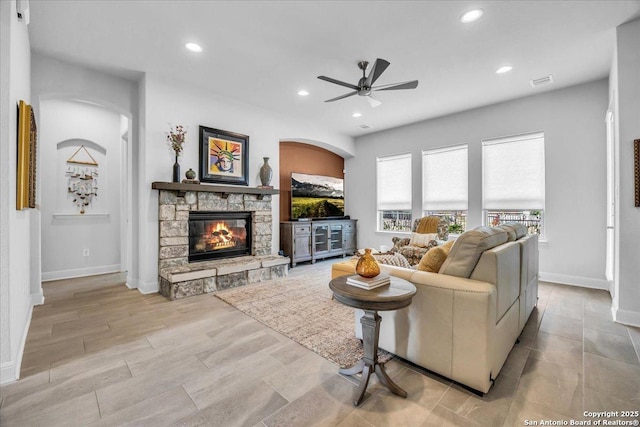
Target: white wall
pixel 167 103
pixel 65 126
pixel 625 83
pixel 15 226
pixel 575 143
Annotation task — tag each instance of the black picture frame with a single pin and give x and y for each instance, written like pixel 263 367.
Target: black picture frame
pixel 224 156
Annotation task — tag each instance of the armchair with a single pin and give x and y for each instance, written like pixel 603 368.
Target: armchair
pixel 426 232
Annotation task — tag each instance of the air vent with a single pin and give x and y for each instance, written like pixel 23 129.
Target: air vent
pixel 541 81
pixel 365 126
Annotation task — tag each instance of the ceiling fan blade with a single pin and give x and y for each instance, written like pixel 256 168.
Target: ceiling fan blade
pixel 338 82
pixel 373 101
pixel 342 96
pixel 393 86
pixel 377 69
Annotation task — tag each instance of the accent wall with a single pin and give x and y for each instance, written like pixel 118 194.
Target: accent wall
pixel 304 158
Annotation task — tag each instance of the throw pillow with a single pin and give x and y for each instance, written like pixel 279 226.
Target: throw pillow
pixel 434 258
pixel 392 259
pixel 422 240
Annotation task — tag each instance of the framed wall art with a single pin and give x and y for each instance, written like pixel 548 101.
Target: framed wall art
pixel 636 169
pixel 26 164
pixel 224 156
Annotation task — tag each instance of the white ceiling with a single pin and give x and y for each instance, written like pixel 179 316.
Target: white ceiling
pixel 263 52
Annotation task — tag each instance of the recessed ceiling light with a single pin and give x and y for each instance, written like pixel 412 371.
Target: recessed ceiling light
pixel 472 15
pixel 356 115
pixel 504 69
pixel 193 47
pixel 303 92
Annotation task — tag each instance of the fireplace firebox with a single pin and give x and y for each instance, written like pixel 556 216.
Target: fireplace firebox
pixel 215 235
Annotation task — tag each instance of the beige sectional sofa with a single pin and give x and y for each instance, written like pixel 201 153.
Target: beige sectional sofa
pixel 465 319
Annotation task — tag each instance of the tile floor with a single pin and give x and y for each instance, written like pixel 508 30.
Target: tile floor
pixel 98 353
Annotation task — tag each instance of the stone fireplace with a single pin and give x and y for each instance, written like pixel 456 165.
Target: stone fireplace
pixel 182 271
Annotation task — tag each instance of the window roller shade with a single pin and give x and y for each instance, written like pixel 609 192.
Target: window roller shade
pixel 393 175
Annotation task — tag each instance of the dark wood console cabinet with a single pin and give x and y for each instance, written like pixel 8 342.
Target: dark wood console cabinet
pixel 318 239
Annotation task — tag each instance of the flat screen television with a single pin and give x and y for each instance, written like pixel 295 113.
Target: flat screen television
pixel 316 196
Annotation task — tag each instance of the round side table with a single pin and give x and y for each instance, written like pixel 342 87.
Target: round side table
pixel 394 296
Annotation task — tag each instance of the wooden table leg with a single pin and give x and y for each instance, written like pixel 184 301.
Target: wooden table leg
pixel 388 382
pixel 355 369
pixel 369 363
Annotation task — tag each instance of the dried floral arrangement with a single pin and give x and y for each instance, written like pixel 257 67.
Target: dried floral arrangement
pixel 176 137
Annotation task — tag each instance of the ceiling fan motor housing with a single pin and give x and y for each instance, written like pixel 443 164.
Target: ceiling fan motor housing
pixel 363 90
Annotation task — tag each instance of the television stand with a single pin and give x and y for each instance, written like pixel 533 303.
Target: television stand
pixel 317 239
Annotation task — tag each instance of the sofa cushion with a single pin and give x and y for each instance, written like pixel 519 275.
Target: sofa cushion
pixel 511 232
pixel 518 228
pixel 422 240
pixel 466 250
pixel 433 260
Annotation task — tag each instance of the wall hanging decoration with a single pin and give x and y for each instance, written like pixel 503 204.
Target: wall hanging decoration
pixel 82 178
pixel 26 162
pixel 224 156
pixel 176 138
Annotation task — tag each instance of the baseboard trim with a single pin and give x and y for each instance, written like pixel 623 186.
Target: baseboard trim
pixel 131 282
pixel 566 279
pixel 10 371
pixel 148 288
pixel 37 299
pixel 626 317
pixel 80 272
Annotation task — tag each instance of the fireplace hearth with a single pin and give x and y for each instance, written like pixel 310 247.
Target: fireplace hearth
pixel 215 235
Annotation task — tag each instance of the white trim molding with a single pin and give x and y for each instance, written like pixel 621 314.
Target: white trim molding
pixel 626 317
pixel 566 279
pixel 80 272
pixel 79 215
pixel 148 288
pixel 10 371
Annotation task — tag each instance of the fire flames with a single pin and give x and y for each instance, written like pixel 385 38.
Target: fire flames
pixel 220 237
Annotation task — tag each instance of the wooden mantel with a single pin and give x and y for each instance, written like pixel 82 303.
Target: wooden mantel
pixel 222 190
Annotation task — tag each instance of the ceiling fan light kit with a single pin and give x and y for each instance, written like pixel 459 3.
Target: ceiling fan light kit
pixel 365 84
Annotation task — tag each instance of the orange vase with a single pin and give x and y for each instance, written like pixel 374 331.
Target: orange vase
pixel 367 265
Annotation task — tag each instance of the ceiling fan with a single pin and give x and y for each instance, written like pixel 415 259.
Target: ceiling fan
pixel 364 86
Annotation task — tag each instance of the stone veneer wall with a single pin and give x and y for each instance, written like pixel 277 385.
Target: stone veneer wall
pixel 179 278
pixel 174 221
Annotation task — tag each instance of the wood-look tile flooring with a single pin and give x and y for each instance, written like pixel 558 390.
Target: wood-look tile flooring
pixel 98 353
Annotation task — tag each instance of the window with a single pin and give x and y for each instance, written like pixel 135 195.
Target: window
pixel 513 180
pixel 445 185
pixel 393 180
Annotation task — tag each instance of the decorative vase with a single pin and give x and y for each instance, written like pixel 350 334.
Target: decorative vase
pixel 367 265
pixel 190 174
pixel 176 170
pixel 266 173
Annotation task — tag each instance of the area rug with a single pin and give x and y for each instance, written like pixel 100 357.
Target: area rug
pixel 301 308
